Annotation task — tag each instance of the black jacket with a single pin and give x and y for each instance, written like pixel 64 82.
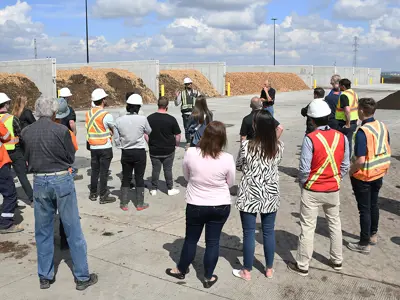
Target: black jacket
pixel 309 125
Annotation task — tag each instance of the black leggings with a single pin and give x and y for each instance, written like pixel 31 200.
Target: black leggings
pixel 133 159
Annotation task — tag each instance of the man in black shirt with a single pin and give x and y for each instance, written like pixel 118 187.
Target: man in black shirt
pixel 319 93
pixel 164 137
pixel 247 130
pixel 268 97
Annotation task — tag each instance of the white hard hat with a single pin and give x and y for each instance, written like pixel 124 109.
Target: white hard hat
pixel 4 98
pixel 318 108
pixel 65 92
pixel 98 94
pixel 187 80
pixel 135 99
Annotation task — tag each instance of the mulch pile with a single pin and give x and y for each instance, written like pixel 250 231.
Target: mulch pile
pixel 390 102
pixel 116 83
pixel 246 83
pixel 18 85
pixel 173 82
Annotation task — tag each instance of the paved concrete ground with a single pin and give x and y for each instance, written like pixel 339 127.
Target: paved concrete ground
pixel 131 250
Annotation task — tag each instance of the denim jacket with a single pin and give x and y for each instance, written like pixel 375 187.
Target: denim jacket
pixel 196 129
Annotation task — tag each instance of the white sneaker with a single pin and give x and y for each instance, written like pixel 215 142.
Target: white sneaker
pixel 173 192
pixel 153 192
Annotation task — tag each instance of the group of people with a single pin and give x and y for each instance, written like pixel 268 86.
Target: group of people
pixel 50 145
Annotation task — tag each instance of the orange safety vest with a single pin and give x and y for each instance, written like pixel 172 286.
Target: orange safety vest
pixel 377 161
pixel 8 120
pixel 4 138
pixel 329 147
pixel 353 103
pixel 97 134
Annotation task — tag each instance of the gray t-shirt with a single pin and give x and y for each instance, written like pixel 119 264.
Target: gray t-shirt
pixel 131 129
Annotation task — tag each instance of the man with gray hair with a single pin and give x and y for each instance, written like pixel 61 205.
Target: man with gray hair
pixel 50 154
pixel 246 130
pixel 332 100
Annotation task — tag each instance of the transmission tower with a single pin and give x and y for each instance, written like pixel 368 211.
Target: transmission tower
pixel 355 45
pixel 35 48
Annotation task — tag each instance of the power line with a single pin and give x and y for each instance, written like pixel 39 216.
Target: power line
pixel 355 45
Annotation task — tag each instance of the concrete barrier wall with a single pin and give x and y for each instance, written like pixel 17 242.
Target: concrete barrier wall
pixel 41 71
pixel 304 72
pixel 214 71
pixel 147 70
pixel 363 76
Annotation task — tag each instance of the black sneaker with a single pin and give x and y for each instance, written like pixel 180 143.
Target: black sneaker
pixel 45 283
pixel 336 267
pixel 93 197
pixel 107 199
pixel 83 285
pixel 293 267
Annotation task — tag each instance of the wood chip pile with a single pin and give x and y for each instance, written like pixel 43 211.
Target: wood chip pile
pixel 115 82
pixel 18 85
pixel 390 102
pixel 246 83
pixel 173 82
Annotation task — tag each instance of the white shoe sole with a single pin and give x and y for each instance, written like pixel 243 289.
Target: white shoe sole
pixel 236 273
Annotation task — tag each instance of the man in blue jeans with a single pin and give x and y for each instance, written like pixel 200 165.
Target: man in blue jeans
pixel 50 153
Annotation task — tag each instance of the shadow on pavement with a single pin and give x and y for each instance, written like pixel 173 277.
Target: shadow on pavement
pixel 290 171
pixel 181 181
pixel 396 240
pixel 231 254
pixel 389 205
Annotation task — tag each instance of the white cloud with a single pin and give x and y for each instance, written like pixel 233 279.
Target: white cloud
pixel 360 9
pixel 123 8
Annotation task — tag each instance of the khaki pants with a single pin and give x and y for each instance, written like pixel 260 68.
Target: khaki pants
pixel 310 203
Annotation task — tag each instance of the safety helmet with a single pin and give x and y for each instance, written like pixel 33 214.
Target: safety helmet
pixel 318 108
pixel 4 98
pixel 63 109
pixel 65 92
pixel 135 99
pixel 98 94
pixel 187 80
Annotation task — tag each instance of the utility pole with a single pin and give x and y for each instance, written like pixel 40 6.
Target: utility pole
pixel 274 19
pixel 35 48
pixel 355 45
pixel 87 34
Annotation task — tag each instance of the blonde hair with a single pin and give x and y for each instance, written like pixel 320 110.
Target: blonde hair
pixel 19 105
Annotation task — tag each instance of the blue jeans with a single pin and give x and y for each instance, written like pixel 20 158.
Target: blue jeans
pixel 270 109
pixel 249 230
pixel 51 193
pixel 213 218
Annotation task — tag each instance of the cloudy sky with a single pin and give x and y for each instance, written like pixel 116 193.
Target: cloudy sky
pixel 319 32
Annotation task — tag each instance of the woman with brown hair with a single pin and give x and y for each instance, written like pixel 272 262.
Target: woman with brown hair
pixel 24 114
pixel 201 116
pixel 210 173
pixel 258 159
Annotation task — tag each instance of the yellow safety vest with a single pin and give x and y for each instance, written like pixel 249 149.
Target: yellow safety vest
pixel 188 101
pixel 353 103
pixel 8 120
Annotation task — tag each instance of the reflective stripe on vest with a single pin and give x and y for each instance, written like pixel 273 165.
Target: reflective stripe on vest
pixel 185 105
pixel 377 160
pixel 330 160
pixel 8 120
pixel 96 135
pixel 353 104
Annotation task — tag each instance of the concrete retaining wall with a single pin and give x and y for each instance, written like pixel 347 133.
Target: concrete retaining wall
pixel 214 71
pixel 363 75
pixel 304 72
pixel 41 71
pixel 147 70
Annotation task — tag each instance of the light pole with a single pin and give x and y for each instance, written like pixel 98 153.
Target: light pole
pixel 87 34
pixel 274 19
